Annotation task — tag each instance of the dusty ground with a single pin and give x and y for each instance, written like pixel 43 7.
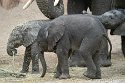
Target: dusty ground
pixel 9 19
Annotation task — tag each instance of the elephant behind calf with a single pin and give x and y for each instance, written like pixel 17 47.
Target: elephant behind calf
pixel 26 35
pixel 81 34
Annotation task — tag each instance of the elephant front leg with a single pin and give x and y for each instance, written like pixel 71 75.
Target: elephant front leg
pixel 62 68
pixel 27 60
pixel 35 58
pixel 35 64
pixel 58 70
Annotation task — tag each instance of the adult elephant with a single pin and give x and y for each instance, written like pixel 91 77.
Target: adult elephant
pixel 46 6
pixel 75 7
pixel 97 7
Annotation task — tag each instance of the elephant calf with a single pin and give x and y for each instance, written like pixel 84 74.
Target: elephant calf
pixel 26 35
pixel 115 20
pixel 82 34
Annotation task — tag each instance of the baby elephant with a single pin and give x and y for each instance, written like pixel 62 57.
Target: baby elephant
pixel 82 34
pixel 26 35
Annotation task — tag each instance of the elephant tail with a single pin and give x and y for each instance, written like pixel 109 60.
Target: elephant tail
pixel 109 56
pixel 43 62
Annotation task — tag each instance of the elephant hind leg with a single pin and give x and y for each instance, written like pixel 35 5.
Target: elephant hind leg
pixel 96 59
pixel 88 48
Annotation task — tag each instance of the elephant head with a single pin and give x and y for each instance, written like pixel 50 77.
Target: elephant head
pixel 15 40
pixel 55 33
pixel 113 18
pixel 24 35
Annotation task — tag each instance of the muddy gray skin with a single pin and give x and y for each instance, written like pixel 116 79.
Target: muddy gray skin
pixel 112 19
pixel 49 10
pixel 115 20
pixel 82 34
pixel 26 35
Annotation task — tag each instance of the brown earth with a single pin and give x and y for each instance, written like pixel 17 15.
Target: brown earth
pixel 9 19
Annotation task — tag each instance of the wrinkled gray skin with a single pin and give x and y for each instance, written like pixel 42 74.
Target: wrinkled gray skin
pixel 26 35
pixel 82 34
pixel 115 20
pixel 49 10
pixel 97 7
pixel 112 19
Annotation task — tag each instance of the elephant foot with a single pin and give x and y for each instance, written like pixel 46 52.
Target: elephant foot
pixel 91 75
pixel 35 71
pixel 106 63
pixel 24 71
pixel 57 75
pixel 64 76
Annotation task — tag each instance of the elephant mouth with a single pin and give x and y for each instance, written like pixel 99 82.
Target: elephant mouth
pixel 11 51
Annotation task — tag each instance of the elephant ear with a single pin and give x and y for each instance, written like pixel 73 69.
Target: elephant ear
pixel 55 33
pixel 120 30
pixel 30 35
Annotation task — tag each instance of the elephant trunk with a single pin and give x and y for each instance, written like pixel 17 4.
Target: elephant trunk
pixel 49 10
pixel 43 62
pixel 11 50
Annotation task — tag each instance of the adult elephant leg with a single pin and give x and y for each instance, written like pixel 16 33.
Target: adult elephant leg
pixel 123 44
pixel 27 60
pixel 99 7
pixel 77 6
pixel 49 10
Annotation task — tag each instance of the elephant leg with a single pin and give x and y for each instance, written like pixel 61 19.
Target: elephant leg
pixel 91 68
pixel 123 44
pixel 62 52
pixel 105 61
pixel 96 59
pixel 77 6
pixel 27 60
pixel 76 60
pixel 58 69
pixel 88 49
pixel 62 64
pixel 35 58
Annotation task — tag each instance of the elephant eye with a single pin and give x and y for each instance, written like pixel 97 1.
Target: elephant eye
pixel 111 17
